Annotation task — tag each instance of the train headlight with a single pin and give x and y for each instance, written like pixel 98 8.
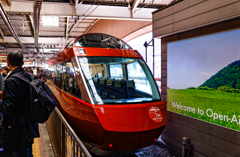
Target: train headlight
pixel 82 51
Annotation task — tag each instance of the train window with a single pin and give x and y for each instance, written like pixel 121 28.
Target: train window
pixel 69 80
pixel 48 73
pixel 58 75
pixel 101 40
pixel 116 71
pixel 98 71
pixel 130 80
pixel 136 73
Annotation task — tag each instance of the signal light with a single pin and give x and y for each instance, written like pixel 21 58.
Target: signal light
pixel 155 139
pixel 49 62
pixel 110 145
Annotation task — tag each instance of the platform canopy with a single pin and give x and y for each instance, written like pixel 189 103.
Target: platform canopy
pixel 40 28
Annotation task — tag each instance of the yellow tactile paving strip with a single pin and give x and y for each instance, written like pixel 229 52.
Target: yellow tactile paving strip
pixel 42 146
pixel 36 148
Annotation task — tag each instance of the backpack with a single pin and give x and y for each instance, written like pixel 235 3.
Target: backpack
pixel 42 101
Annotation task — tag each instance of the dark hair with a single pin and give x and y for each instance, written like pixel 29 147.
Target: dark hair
pixel 6 68
pixel 15 58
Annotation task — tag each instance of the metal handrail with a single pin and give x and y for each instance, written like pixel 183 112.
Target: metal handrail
pixel 79 142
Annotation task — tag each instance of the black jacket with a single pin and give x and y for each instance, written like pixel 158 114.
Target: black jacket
pixel 18 131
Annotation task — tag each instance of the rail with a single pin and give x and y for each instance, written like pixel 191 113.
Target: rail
pixel 64 139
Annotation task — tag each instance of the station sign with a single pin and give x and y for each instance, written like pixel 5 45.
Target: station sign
pixel 28 63
pixel 203 79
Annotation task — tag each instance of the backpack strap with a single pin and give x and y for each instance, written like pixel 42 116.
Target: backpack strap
pixel 21 77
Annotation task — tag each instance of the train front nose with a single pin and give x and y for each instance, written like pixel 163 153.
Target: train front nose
pixel 131 127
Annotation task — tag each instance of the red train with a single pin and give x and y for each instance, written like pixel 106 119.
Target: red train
pixel 108 95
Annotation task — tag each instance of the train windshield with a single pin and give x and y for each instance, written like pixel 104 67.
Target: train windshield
pixel 114 80
pixel 101 40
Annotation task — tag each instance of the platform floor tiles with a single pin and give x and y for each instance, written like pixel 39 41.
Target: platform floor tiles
pixel 42 146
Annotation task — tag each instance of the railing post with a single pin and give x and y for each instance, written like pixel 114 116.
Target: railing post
pixel 62 139
pixel 80 153
pixel 73 146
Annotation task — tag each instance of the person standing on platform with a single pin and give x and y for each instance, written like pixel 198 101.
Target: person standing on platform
pixel 5 73
pixel 35 71
pixel 18 131
pixel 40 74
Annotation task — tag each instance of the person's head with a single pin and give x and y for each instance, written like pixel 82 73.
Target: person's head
pixel 15 60
pixel 33 68
pixel 25 68
pixel 5 70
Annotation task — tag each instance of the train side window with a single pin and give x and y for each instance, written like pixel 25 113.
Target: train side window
pixel 58 75
pixel 48 73
pixel 116 71
pixel 98 71
pixel 70 83
pixel 136 73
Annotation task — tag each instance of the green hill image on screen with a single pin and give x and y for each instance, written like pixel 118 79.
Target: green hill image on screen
pixel 227 77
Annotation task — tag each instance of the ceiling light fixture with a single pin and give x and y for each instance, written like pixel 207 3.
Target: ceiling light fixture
pixel 50 21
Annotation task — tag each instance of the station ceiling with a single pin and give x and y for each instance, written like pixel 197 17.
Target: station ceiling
pixel 40 28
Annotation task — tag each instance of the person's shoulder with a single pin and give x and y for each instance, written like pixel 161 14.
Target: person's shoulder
pixel 11 80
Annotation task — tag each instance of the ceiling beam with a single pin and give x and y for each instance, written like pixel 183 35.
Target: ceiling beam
pixel 44 40
pixel 9 2
pixel 36 18
pixel 31 24
pixel 50 51
pixel 2 35
pixel 135 4
pixel 66 34
pixel 101 12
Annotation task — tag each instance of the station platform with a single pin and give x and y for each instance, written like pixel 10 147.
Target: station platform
pixel 42 146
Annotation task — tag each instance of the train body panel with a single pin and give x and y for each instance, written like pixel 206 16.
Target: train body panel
pixel 131 117
pixel 70 52
pixel 107 94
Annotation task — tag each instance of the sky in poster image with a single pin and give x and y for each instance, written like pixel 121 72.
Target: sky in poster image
pixel 191 62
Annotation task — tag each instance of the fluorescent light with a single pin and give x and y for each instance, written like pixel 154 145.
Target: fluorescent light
pixel 50 21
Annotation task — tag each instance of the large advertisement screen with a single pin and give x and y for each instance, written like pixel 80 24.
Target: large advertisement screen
pixel 204 78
